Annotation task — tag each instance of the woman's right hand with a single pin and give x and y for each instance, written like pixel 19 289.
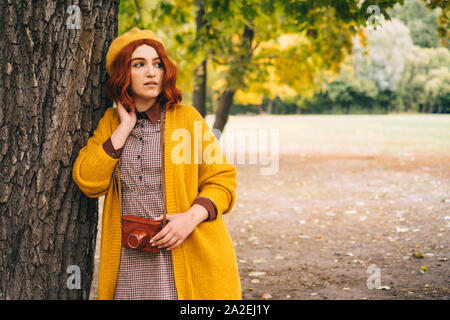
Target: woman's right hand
pixel 127 119
pixel 127 123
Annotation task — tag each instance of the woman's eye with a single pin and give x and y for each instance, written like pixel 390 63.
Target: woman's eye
pixel 158 65
pixel 138 64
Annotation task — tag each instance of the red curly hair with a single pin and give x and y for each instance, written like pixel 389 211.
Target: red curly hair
pixel 118 86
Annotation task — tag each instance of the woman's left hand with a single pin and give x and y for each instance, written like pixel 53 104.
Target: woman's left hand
pixel 177 228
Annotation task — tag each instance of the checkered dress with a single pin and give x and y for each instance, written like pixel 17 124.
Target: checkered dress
pixel 143 275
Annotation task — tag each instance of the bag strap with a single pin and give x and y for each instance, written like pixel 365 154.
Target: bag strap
pixel 162 143
pixel 120 188
pixel 162 161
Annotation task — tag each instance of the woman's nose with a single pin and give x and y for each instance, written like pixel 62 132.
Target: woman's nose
pixel 151 71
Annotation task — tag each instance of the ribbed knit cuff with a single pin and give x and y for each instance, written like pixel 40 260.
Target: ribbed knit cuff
pixel 209 206
pixel 109 149
pixel 220 196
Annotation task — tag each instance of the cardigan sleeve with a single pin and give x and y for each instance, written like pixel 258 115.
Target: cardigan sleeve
pixel 93 167
pixel 217 177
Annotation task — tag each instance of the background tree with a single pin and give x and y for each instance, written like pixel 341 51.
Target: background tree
pixel 233 30
pixel 267 20
pixel 52 97
pixel 200 70
pixel 425 82
pixel 421 21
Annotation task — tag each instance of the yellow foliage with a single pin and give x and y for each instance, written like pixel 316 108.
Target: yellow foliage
pixel 247 98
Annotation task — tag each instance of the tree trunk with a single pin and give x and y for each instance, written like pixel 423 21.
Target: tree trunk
pixel 235 79
pixel 200 71
pixel 222 112
pixel 51 91
pixel 200 88
pixel 269 107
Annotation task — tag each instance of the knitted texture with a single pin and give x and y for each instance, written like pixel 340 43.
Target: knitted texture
pixel 205 264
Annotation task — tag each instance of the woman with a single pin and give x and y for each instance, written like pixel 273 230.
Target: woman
pixel 136 146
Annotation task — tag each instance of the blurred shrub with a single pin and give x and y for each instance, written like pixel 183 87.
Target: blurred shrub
pixel 425 83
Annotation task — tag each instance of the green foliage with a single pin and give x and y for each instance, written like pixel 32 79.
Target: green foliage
pixel 425 85
pixel 327 27
pixel 323 31
pixel 388 47
pixel 421 21
pixel 444 19
pixel 346 93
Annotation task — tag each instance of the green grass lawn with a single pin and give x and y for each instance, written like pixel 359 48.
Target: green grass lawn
pixel 372 134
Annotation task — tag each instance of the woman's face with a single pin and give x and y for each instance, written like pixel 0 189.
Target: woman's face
pixel 147 73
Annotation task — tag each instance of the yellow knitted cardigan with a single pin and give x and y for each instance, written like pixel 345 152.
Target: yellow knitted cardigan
pixel 205 265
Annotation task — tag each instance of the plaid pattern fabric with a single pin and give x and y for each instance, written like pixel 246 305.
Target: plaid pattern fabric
pixel 143 275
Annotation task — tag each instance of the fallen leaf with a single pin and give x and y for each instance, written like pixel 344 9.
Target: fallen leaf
pixel 424 268
pixel 266 296
pixel 256 261
pixel 255 281
pixel 257 273
pixel 418 255
pixel 384 288
pixel 319 236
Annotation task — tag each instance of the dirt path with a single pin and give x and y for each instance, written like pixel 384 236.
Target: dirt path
pixel 316 226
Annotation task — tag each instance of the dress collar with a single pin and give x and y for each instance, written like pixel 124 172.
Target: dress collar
pixel 152 113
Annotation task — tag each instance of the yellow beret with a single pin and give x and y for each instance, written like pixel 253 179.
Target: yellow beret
pixel 122 41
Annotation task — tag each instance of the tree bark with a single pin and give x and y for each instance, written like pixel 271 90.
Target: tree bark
pixel 234 81
pixel 52 95
pixel 222 112
pixel 200 71
pixel 269 107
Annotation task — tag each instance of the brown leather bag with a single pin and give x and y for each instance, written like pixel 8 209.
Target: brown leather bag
pixel 137 233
